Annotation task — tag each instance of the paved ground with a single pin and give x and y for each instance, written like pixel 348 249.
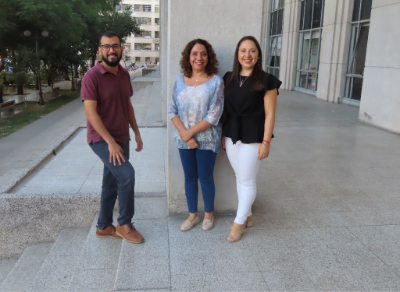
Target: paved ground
pixel 327 216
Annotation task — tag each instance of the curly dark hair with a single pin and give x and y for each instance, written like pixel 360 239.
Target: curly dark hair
pixel 212 64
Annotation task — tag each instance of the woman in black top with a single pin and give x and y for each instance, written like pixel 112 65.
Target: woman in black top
pixel 250 103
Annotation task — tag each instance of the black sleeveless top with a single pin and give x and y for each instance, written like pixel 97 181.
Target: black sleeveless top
pixel 245 113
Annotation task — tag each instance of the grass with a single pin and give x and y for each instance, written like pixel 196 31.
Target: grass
pixel 33 112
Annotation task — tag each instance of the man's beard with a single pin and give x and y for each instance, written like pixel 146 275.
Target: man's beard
pixel 113 63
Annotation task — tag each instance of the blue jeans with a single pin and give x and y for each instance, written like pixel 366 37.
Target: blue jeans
pixel 199 164
pixel 118 181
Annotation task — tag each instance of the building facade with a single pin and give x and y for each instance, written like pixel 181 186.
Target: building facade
pixel 340 51
pixel 145 47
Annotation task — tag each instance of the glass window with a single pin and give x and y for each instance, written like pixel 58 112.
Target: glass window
pixel 275 37
pixel 146 8
pixel 125 6
pixel 157 8
pixel 137 59
pixel 143 20
pixel 357 49
pixel 146 34
pixel 156 34
pixel 138 46
pixel 366 9
pixel 147 59
pixel 309 44
pixel 147 47
pixel 136 7
pixel 157 47
pixel 127 58
pixel 157 21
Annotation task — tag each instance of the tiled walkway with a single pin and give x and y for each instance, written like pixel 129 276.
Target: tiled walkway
pixel 77 170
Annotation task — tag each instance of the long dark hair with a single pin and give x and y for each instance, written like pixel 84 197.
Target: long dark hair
pixel 212 64
pixel 255 82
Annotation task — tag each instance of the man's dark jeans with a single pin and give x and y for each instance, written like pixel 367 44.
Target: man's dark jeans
pixel 118 181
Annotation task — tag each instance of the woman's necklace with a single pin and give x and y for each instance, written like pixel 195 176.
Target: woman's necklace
pixel 243 81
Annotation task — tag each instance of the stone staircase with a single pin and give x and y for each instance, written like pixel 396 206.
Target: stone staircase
pixel 148 105
pixel 78 261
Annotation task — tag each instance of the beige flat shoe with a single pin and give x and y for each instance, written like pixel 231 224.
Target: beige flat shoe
pixel 208 224
pixel 187 225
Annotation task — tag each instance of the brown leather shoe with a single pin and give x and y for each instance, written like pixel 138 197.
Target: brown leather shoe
pixel 129 233
pixel 108 232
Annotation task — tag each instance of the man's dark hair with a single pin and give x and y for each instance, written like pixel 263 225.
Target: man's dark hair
pixel 109 34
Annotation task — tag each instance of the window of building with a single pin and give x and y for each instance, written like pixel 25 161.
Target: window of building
pixel 157 47
pixel 357 49
pixel 147 59
pixel 146 8
pixel 157 8
pixel 143 20
pixel 125 7
pixel 137 59
pixel 157 21
pixel 275 37
pixel 146 34
pixel 127 58
pixel 310 32
pixel 118 8
pixel 138 46
pixel 147 47
pixel 136 7
pixel 157 34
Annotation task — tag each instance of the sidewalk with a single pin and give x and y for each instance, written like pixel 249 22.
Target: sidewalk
pixel 327 217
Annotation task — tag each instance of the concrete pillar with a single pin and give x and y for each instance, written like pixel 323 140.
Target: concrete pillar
pixel 222 23
pixel 334 49
pixel 291 22
pixel 380 102
pixel 164 56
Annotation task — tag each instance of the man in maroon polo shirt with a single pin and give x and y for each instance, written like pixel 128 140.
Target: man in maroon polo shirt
pixel 106 92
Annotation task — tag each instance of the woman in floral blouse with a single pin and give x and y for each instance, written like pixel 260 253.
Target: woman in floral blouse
pixel 195 109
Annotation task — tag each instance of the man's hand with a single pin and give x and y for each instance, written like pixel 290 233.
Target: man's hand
pixel 192 143
pixel 139 143
pixel 116 153
pixel 186 135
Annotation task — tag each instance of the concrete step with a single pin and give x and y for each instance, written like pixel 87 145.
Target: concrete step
pixel 154 112
pixel 58 268
pixel 137 95
pixel 5 268
pixel 145 266
pixel 97 264
pixel 23 274
pixel 147 93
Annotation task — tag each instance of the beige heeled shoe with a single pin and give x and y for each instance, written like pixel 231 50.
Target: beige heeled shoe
pixel 248 222
pixel 238 229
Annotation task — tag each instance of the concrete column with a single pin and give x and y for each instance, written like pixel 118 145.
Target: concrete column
pixel 222 23
pixel 334 49
pixel 164 56
pixel 291 22
pixel 380 102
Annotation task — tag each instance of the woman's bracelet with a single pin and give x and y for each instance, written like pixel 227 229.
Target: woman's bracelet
pixel 266 143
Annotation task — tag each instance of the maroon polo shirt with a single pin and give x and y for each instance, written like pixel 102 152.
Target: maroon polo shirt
pixel 112 93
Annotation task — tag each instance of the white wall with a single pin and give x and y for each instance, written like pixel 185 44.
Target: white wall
pixel 222 23
pixel 380 101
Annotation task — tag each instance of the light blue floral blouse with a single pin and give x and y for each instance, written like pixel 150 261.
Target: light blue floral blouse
pixel 196 103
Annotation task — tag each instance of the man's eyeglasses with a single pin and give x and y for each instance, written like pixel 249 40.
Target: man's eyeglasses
pixel 108 47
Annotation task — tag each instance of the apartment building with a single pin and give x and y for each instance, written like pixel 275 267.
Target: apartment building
pixel 145 47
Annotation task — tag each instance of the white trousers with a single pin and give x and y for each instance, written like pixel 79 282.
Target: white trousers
pixel 245 163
